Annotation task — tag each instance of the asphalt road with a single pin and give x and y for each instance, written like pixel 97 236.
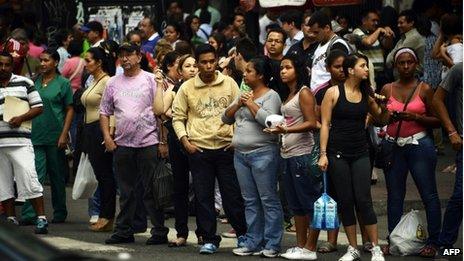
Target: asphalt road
pixel 74 235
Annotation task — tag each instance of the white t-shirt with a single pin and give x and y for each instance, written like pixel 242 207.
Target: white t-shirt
pixel 319 73
pixel 263 22
pixel 455 53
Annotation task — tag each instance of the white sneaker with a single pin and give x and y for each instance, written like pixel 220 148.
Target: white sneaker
pixel 242 251
pixel 270 253
pixel 351 254
pixel 307 254
pixel 292 253
pixel 377 254
pixel 297 253
pixel 93 219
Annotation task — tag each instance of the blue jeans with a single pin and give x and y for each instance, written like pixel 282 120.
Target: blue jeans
pixel 301 188
pixel 257 176
pixel 421 161
pixel 453 215
pixel 94 203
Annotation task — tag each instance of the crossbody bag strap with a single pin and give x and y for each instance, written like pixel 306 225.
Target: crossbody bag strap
pixel 404 109
pixel 77 70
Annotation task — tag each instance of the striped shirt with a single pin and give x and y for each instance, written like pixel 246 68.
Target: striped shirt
pixel 22 88
pixel 373 52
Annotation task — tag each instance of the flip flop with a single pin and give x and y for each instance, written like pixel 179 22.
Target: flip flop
pixel 179 242
pixel 326 247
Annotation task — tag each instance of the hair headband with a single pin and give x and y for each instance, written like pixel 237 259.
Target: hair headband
pixel 405 50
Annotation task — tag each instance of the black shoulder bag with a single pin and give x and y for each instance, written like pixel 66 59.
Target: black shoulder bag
pixel 384 154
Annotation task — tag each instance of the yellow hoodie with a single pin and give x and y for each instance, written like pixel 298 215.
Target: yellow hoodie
pixel 197 111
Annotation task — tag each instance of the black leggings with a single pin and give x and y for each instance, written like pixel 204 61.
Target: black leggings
pixel 351 181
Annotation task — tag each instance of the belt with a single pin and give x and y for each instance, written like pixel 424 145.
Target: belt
pixel 408 140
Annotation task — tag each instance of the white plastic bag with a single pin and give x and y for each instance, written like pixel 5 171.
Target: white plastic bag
pixel 85 183
pixel 409 236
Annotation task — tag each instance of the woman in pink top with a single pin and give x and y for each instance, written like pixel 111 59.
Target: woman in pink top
pixel 74 66
pixel 414 150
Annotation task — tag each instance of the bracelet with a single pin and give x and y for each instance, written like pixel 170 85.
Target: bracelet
pixel 452 133
pixel 163 142
pixel 322 152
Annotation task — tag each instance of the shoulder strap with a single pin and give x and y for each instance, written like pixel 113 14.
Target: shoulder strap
pixel 404 109
pixel 333 40
pixel 76 71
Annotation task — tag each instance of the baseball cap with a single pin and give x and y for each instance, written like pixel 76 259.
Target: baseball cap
pixel 129 47
pixel 92 26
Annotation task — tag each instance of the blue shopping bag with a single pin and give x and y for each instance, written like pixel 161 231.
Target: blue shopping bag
pixel 325 216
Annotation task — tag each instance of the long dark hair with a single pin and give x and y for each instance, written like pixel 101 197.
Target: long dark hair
pixel 262 66
pixel 299 66
pixel 349 62
pixel 99 55
pixel 54 55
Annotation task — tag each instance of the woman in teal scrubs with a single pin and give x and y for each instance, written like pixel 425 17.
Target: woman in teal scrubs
pixel 50 134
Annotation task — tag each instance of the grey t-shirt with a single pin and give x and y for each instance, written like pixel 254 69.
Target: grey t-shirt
pixel 248 132
pixel 453 85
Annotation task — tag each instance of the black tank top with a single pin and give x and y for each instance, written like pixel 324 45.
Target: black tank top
pixel 347 133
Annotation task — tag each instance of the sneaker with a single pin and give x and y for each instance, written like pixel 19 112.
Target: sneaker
pixel 351 254
pixel 229 234
pixel 377 254
pixel 242 251
pixel 241 240
pixel 297 253
pixel 208 249
pixel 13 220
pixel 270 253
pixel 42 226
pixel 258 253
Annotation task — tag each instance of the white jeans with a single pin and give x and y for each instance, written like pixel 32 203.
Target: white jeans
pixel 17 164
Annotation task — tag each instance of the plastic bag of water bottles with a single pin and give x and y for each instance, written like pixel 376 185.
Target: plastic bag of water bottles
pixel 325 216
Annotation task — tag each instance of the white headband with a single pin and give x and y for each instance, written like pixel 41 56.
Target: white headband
pixel 405 50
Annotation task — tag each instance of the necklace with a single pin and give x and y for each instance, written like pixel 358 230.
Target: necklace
pixel 46 82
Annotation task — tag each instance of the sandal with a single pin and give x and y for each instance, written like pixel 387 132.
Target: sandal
pixel 367 247
pixel 179 242
pixel 428 251
pixel 386 250
pixel 291 228
pixel 326 247
pixel 200 241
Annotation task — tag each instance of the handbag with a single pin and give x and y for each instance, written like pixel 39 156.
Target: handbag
pixel 325 214
pixel 314 168
pixel 163 183
pixel 384 154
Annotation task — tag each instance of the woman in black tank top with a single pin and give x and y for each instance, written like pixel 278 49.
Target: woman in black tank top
pixel 344 151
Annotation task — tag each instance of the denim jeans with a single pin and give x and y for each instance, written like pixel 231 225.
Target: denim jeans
pixel 301 188
pixel 421 161
pixel 453 215
pixel 257 176
pixel 94 203
pixel 206 166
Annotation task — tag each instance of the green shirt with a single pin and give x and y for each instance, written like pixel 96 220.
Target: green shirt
pixel 244 87
pixel 56 96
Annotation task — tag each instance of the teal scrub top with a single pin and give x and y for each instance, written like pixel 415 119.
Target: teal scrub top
pixel 56 96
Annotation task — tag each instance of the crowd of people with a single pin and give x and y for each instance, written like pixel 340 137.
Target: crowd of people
pixel 383 91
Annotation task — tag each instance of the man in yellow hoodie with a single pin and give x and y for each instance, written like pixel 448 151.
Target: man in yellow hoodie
pixel 197 110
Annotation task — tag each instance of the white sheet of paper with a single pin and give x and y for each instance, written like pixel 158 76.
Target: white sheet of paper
pixel 14 107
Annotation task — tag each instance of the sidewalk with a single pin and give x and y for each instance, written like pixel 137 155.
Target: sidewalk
pixel 445 184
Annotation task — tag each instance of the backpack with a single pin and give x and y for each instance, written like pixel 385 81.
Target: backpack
pixel 333 40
